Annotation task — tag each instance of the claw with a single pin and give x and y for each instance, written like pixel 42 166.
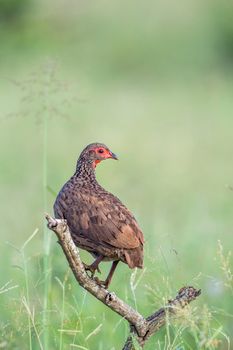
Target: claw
pixel 91 269
pixel 101 283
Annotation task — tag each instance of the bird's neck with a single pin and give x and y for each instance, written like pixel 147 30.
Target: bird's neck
pixel 85 171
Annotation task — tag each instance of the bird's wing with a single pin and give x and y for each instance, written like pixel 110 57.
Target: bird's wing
pixel 102 220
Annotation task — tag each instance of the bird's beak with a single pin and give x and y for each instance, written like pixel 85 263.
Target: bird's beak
pixel 113 156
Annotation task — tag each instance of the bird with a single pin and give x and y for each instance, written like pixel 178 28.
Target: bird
pixel 98 221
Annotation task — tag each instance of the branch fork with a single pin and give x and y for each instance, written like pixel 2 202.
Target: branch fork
pixel 140 328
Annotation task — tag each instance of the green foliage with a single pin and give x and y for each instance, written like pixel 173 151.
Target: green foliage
pixel 12 10
pixel 159 93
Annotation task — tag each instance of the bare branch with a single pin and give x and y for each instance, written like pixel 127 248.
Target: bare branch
pixel 158 319
pixel 140 328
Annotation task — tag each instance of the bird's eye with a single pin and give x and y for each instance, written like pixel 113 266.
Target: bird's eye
pixel 100 150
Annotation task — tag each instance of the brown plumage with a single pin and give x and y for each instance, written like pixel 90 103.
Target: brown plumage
pixel 98 221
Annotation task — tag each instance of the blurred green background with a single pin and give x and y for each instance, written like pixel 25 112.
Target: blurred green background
pixel 154 81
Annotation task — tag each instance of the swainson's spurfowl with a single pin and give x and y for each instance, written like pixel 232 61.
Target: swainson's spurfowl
pixel 98 221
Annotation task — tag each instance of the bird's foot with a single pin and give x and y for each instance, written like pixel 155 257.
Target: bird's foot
pixel 104 284
pixel 91 268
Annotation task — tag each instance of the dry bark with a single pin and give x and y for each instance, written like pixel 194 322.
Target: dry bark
pixel 140 328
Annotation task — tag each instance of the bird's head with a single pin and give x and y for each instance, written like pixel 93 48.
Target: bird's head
pixel 95 153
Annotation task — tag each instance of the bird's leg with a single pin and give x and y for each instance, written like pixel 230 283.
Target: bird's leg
pixel 94 266
pixel 106 283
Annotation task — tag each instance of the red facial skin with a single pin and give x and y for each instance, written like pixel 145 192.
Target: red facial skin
pixel 103 153
pixel 96 162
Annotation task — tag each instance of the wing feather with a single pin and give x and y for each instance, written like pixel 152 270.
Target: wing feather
pixel 102 220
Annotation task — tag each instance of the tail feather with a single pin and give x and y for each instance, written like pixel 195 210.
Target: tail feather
pixel 134 257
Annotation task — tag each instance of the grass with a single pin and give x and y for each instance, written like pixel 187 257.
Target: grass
pixel 171 126
pixel 182 209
